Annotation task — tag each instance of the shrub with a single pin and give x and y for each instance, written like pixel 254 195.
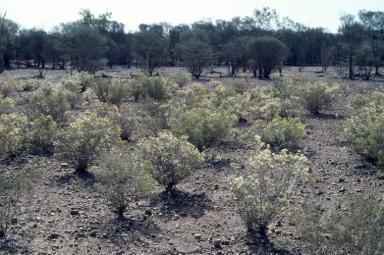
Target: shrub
pixel 110 91
pixel 13 185
pixel 8 85
pixel 121 180
pixel 156 115
pixel 169 159
pixel 280 132
pixel 50 99
pixel 365 132
pixel 128 121
pixel 318 96
pixel 42 135
pixel 181 80
pixel 85 140
pixel 240 86
pixel 12 134
pixel 6 104
pixel 204 126
pixel 262 188
pixel 154 87
pixel 357 230
pixel 78 82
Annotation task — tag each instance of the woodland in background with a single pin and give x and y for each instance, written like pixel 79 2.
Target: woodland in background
pixel 94 42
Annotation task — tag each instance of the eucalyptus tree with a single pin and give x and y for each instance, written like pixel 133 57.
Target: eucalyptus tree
pixel 268 53
pixel 8 31
pixel 83 45
pixel 150 50
pixel 235 53
pixel 194 51
pixel 373 22
pixel 353 36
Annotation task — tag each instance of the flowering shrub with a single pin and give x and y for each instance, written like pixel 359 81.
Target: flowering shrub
pixel 42 135
pixel 12 134
pixel 357 230
pixel 6 104
pixel 8 85
pixel 121 180
pixel 181 80
pixel 154 87
pixel 156 115
pixel 128 121
pixel 81 143
pixel 262 188
pixel 318 96
pixel 110 91
pixel 50 99
pixel 170 159
pixel 78 82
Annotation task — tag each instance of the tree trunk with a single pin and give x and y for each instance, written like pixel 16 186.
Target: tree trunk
pixel 351 72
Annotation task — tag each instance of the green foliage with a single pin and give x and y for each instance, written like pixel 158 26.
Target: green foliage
pixel 277 99
pixel 12 134
pixel 122 180
pixel 13 184
pixel 204 126
pixel 157 88
pixel 279 133
pixel 42 135
pixel 110 91
pixel 268 53
pixel 156 115
pixel 365 132
pixel 169 159
pixel 194 51
pixel 240 86
pixel 128 121
pixel 83 45
pixel 78 82
pixel 318 96
pixel 6 104
pixel 8 85
pixel 181 80
pixel 81 143
pixel 358 230
pixel 150 50
pixel 263 187
pixel 50 99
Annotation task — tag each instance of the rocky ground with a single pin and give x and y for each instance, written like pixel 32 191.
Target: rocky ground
pixel 64 214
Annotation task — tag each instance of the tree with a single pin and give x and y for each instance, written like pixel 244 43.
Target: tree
pixel 150 50
pixel 194 51
pixel 83 45
pixel 353 36
pixel 31 42
pixel 373 23
pixel 235 53
pixel 8 30
pixel 268 53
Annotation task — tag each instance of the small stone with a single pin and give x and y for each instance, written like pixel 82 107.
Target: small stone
pixel 74 212
pixel 197 236
pixel 53 236
pixel 64 165
pixel 93 233
pixel 216 243
pixel 342 190
pixel 148 212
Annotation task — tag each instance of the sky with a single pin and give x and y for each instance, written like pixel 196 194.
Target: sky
pixel 46 14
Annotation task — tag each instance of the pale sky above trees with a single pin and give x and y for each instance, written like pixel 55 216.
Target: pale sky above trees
pixel 46 14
